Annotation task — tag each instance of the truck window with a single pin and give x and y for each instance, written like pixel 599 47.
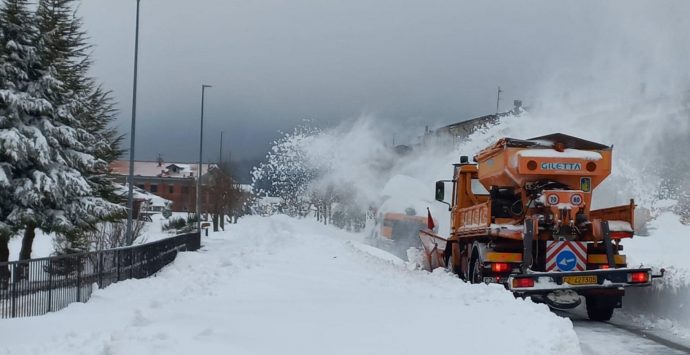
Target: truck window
pixel 478 188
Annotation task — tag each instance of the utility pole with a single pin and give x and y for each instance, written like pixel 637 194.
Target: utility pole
pixel 220 153
pixel 221 217
pixel 201 149
pixel 130 180
pixel 498 98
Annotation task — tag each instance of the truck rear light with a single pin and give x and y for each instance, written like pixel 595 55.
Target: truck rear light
pixel 604 266
pixel 500 267
pixel 523 282
pixel 638 277
pixel 620 235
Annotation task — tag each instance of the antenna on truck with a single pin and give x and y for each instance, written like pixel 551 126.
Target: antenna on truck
pixel 498 98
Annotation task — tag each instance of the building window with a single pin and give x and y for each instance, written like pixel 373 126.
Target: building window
pixel 171 189
pixel 141 186
pixel 185 189
pixel 154 188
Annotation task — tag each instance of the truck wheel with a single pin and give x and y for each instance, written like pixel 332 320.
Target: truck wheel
pixel 599 308
pixel 478 272
pixel 448 260
pixel 476 269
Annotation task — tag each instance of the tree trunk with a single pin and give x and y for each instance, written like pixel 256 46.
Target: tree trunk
pixel 4 257
pixel 215 222
pixel 25 252
pixel 27 242
pixel 222 221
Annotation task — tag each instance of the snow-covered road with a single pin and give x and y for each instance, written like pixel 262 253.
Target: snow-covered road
pixel 598 338
pixel 620 336
pixel 278 285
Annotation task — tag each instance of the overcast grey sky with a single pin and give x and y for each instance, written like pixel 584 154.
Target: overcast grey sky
pixel 275 62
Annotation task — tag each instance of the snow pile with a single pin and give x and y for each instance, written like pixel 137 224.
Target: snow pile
pixel 280 285
pixel 667 304
pixel 155 202
pixel 667 246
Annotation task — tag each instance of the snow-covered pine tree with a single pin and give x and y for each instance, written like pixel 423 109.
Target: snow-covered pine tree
pixel 54 135
pixel 77 123
pixel 94 106
pixel 21 145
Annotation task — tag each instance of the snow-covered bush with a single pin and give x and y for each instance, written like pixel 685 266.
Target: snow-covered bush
pixel 174 223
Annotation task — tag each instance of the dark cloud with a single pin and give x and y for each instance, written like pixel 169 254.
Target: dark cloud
pixel 274 62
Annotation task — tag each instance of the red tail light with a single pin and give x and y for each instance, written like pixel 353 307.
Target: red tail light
pixel 620 235
pixel 638 277
pixel 523 282
pixel 500 267
pixel 604 266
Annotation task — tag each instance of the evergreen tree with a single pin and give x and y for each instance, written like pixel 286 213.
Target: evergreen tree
pixel 81 104
pixel 54 137
pixel 21 145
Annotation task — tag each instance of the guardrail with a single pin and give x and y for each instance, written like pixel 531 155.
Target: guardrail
pixel 38 286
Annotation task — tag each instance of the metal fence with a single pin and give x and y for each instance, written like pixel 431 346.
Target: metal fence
pixel 38 286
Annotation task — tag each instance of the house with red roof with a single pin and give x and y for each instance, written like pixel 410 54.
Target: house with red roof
pixel 172 181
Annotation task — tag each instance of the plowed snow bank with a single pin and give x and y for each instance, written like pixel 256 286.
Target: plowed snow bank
pixel 664 306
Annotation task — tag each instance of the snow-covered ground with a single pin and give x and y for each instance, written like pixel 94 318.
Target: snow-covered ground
pixel 280 285
pixel 276 284
pixel 43 243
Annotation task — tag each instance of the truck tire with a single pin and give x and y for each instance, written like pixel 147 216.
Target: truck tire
pixel 599 308
pixel 448 260
pixel 476 270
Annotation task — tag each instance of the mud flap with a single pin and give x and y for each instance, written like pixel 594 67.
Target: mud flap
pixel 527 238
pixel 607 242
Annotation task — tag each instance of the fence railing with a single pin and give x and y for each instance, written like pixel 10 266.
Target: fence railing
pixel 38 286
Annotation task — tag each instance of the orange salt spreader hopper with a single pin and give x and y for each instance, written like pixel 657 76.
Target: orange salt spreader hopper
pixel 575 163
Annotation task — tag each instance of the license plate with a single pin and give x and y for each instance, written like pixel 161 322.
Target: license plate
pixel 580 280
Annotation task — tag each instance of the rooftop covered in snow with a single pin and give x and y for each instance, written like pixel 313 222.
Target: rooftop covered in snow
pixel 160 169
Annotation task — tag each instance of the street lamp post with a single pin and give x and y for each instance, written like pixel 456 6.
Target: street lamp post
pixel 201 148
pixel 130 180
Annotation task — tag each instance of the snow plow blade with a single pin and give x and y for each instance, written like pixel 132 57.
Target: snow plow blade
pixel 583 282
pixel 433 246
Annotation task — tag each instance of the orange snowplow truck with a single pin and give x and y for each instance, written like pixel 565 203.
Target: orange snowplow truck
pixel 521 217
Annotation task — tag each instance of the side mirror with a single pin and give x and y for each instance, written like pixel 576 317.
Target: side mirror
pixel 440 191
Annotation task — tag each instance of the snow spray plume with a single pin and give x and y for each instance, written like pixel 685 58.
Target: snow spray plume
pixel 633 95
pixel 288 170
pixel 340 168
pixel 352 168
